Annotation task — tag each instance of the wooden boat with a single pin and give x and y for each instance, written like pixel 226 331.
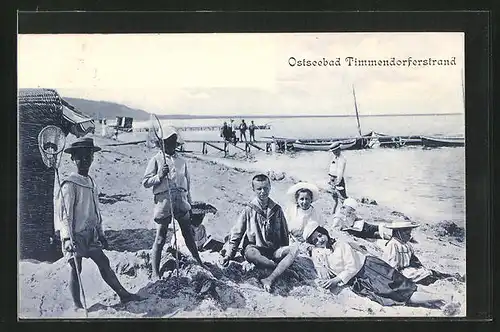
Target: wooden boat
pixel 441 141
pixel 322 146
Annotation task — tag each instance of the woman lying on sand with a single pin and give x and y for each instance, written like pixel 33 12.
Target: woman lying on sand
pixel 337 264
pixel 399 253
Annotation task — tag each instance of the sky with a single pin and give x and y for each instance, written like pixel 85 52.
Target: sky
pixel 241 74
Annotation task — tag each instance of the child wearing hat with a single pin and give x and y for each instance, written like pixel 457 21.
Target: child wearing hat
pixel 336 173
pixel 338 264
pixel 300 210
pixel 78 217
pixel 167 173
pixel 198 212
pixel 399 253
pixel 347 220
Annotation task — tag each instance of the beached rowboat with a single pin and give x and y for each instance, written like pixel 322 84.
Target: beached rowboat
pixel 437 141
pixel 322 146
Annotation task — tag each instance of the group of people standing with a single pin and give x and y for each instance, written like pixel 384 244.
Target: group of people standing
pixel 228 131
pixel 264 234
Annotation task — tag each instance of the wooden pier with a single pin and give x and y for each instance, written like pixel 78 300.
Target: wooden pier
pixel 245 146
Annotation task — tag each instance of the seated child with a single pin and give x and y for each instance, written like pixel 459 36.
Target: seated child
pixel 203 242
pixel 399 253
pixel 301 211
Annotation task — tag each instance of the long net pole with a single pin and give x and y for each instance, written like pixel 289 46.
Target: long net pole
pixel 51 143
pixel 158 131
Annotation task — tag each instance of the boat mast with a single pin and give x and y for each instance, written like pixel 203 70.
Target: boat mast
pixel 356 108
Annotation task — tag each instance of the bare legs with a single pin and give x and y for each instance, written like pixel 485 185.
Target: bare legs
pixel 285 255
pixel 107 275
pixel 73 283
pixel 161 234
pixel 425 299
pixel 187 233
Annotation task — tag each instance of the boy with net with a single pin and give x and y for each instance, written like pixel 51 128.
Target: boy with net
pixel 80 222
pixel 167 174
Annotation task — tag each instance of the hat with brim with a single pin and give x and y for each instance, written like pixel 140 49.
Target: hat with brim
pixel 303 185
pixel 309 229
pixel 401 225
pixel 199 210
pixel 334 146
pixel 169 131
pixel 351 202
pixel 81 144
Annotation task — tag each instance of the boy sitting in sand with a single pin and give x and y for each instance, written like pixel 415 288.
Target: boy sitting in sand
pixel 347 220
pixel 79 216
pixel 263 228
pixel 399 253
pixel 167 173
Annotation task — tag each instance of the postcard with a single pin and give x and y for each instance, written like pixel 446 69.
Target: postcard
pixel 209 175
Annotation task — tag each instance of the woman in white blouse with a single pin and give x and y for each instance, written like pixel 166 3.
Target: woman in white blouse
pixel 338 264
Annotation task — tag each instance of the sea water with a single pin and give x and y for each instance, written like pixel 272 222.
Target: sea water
pixel 428 184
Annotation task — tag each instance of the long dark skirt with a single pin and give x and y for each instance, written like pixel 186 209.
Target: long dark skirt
pixel 381 283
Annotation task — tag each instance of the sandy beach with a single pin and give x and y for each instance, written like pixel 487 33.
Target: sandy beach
pixel 126 208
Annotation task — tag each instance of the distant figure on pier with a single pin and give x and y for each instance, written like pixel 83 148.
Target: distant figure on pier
pixel 226 132
pixel 251 129
pixel 273 145
pixel 336 173
pixel 234 127
pixel 243 129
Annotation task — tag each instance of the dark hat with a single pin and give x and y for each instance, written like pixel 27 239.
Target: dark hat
pixel 199 210
pixel 83 143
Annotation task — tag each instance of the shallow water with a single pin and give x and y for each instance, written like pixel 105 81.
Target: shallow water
pixel 428 184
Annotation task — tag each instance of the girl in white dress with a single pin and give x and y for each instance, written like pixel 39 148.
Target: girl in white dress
pixel 300 210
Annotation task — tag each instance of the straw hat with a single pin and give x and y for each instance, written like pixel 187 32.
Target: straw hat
pixel 309 229
pixel 303 185
pixel 83 143
pixel 401 224
pixel 169 131
pixel 351 202
pixel 334 146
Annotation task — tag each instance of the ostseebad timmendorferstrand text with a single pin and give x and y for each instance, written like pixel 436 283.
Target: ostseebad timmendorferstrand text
pixel 358 62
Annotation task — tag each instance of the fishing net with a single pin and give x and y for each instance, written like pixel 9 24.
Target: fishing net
pixel 156 137
pixel 155 132
pixel 51 142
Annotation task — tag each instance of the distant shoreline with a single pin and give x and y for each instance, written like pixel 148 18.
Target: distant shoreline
pixel 186 116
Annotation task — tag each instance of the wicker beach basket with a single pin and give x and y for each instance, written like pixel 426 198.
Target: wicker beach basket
pixel 37 108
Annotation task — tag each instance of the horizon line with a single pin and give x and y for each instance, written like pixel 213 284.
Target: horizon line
pixel 201 116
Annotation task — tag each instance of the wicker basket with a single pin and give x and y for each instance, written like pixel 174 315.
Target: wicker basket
pixel 37 108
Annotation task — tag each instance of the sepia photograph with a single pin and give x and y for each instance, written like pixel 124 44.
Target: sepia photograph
pixel 241 175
